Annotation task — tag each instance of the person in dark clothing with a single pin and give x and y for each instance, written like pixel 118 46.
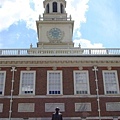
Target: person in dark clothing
pixel 57 115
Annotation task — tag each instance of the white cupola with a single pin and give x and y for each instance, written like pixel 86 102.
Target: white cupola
pixel 54 6
pixel 54 10
pixel 54 28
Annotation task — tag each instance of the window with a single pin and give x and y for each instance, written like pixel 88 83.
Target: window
pixel 54 6
pixel 2 82
pixel 110 82
pixel 54 82
pixel 81 82
pixel 47 8
pixel 27 82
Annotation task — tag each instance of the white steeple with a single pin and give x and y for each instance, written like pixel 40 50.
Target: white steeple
pixel 54 10
pixel 52 6
pixel 54 28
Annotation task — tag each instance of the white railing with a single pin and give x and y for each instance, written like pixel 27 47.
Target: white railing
pixel 101 51
pixel 55 18
pixel 13 52
pixel 57 52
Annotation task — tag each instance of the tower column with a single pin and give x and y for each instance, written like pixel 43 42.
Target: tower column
pixel 55 30
pixel 58 7
pixel 51 7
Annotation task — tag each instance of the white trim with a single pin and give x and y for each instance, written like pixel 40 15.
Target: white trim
pixel 110 71
pixel 62 96
pixel 113 106
pixel 26 107
pixel 50 107
pixel 79 71
pixel 83 106
pixel 3 90
pixel 61 81
pixel 65 118
pixel 1 107
pixel 34 72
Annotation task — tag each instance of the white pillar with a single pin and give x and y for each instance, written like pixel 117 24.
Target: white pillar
pixel 12 87
pixel 97 91
pixel 50 7
pixel 58 7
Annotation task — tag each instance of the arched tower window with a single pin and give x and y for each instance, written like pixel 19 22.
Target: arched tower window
pixel 47 8
pixel 54 6
pixel 61 8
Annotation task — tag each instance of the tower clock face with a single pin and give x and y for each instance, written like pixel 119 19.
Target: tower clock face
pixel 55 34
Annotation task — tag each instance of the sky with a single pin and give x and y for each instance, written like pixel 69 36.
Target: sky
pixel 97 23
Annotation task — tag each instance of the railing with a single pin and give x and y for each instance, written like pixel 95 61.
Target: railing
pixel 57 52
pixel 13 52
pixel 102 51
pixel 55 18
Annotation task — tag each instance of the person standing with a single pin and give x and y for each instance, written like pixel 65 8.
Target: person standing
pixel 57 115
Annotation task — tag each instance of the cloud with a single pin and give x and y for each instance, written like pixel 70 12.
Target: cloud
pixel 12 11
pixel 87 44
pixel 1 44
pixel 77 8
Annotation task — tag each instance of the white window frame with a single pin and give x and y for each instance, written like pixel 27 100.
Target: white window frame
pixel 34 72
pixel 3 90
pixel 111 71
pixel 84 71
pixel 61 82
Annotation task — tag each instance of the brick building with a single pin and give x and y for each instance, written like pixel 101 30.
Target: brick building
pixel 83 83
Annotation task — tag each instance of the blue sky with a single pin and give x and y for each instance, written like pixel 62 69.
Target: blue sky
pixel 97 22
pixel 103 23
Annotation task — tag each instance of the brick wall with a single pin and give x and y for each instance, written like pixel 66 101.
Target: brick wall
pixel 68 97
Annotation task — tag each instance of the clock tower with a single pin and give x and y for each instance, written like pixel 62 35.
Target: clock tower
pixel 54 28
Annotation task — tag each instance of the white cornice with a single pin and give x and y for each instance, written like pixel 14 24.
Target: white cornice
pixel 59 61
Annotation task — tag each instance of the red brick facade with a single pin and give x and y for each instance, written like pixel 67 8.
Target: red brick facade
pixel 68 97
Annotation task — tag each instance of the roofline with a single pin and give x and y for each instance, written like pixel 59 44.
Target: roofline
pixel 60 56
